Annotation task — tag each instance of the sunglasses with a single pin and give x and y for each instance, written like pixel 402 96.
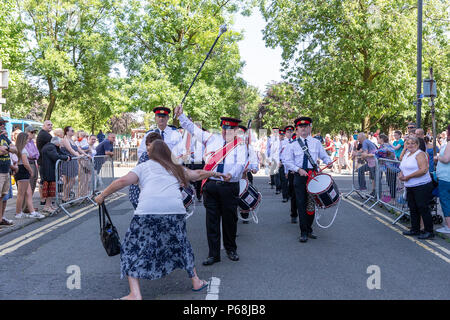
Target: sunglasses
pixel 411 127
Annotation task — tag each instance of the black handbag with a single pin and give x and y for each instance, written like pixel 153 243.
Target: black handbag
pixel 108 233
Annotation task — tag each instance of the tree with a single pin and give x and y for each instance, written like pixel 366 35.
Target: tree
pixel 65 40
pixel 353 62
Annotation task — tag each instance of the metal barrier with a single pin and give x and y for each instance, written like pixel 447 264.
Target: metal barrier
pixel 364 175
pixel 81 178
pixel 125 156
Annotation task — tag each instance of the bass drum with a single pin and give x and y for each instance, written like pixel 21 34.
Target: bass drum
pixel 324 190
pixel 249 197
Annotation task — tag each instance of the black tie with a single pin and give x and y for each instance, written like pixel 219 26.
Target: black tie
pixel 221 164
pixel 305 158
pixel 162 134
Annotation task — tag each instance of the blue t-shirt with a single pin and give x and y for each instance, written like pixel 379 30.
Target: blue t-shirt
pixel 398 152
pixel 369 146
pixel 100 137
pixel 101 149
pixel 431 158
pixel 5 160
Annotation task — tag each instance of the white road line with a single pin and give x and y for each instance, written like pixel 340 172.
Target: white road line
pixel 13 245
pixel 419 243
pixel 213 289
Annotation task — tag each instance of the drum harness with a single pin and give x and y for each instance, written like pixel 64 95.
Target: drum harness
pixel 311 176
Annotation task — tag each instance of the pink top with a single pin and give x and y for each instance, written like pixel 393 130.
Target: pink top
pixel 33 152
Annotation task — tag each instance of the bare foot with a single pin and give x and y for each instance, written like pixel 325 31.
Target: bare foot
pixel 199 283
pixel 131 297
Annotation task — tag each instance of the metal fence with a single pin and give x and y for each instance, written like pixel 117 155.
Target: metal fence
pixel 387 189
pixel 125 156
pixel 79 179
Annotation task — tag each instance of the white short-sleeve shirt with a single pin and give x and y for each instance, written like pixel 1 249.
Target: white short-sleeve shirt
pixel 160 190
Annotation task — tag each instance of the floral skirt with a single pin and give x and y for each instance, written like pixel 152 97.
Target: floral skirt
pixel 156 245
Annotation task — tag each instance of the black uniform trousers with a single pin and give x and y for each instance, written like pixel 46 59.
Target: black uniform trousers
pixel 301 195
pixel 283 183
pixel 221 201
pixel 197 184
pixel 291 189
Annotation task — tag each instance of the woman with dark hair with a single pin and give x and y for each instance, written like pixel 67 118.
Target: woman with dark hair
pixel 156 242
pixel 69 169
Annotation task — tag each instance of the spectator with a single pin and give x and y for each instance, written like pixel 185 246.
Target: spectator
pixel 125 148
pixel 430 152
pixel 5 165
pixel 14 169
pixel 398 143
pixel 411 130
pixel 69 170
pixel 367 153
pixel 58 132
pixel 337 146
pixel 105 148
pixel 443 176
pixel 33 157
pixel 50 154
pixel 386 151
pixel 42 139
pixel 82 141
pixel 343 155
pixel 319 137
pixel 15 133
pixel 420 134
pixel 100 137
pixel 22 177
pixel 417 180
pixel 92 141
pixel 156 242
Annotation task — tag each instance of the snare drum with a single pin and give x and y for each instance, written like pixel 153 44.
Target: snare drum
pixel 324 190
pixel 249 197
pixel 187 193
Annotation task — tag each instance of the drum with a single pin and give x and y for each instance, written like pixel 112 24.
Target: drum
pixel 324 190
pixel 187 194
pixel 249 197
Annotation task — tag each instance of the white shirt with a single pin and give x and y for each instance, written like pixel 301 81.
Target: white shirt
pixel 194 149
pixel 171 137
pixel 234 162
pixel 410 165
pixel 160 191
pixel 293 156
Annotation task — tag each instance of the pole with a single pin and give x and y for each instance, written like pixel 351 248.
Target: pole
pixel 433 118
pixel 419 63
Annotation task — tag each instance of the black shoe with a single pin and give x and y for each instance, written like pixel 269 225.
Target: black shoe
pixel 411 233
pixel 303 238
pixel 285 200
pixel 426 235
pixel 232 255
pixel 277 192
pixel 293 220
pixel 210 261
pixel 244 222
pixel 312 235
pixel 42 203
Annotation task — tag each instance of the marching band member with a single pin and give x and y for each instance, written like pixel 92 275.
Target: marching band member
pixel 282 171
pixel 297 161
pixel 170 134
pixel 227 154
pixel 291 138
pixel 252 167
pixel 273 155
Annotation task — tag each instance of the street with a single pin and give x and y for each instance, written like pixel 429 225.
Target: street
pixel 38 261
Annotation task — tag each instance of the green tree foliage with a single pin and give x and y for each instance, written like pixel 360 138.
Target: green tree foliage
pixel 353 62
pixel 164 43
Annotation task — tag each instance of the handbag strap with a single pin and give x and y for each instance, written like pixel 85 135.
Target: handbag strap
pixel 306 151
pixel 103 214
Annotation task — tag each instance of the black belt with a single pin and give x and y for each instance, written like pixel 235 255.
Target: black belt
pixel 222 182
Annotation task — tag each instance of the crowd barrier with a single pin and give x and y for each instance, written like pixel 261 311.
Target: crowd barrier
pixel 386 188
pixel 125 156
pixel 81 178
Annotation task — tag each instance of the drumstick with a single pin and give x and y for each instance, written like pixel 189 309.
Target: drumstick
pixel 316 174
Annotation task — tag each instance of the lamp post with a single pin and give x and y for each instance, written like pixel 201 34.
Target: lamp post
pixel 419 64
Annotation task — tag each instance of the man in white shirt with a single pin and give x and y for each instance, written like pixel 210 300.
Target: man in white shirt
pixel 282 171
pixel 170 135
pixel 289 137
pixel 227 154
pixel 297 161
pixel 273 155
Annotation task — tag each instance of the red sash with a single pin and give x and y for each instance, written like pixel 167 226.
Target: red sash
pixel 220 155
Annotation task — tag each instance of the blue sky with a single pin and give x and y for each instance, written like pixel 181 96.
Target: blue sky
pixel 262 64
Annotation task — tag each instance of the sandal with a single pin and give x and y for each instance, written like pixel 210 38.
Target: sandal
pixel 204 285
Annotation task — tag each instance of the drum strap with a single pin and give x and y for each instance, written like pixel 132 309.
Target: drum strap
pixel 220 155
pixel 306 152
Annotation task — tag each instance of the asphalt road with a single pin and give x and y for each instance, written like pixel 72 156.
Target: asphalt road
pixel 34 261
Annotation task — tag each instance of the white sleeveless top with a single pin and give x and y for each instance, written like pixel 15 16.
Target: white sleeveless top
pixel 409 165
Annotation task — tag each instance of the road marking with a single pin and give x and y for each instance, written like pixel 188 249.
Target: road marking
pixel 13 245
pixel 213 289
pixel 419 243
